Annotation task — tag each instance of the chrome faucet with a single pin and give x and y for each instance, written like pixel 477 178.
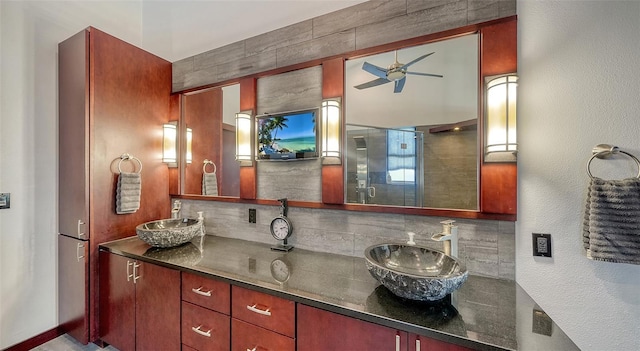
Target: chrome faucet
pixel 175 211
pixel 449 237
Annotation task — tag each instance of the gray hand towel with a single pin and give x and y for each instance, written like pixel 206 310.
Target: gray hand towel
pixel 128 193
pixel 209 184
pixel 611 227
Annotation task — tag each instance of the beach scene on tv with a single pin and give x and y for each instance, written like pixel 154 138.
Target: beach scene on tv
pixel 287 136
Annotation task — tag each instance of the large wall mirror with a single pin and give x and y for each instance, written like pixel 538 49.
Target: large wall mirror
pixel 209 116
pixel 414 141
pixel 407 148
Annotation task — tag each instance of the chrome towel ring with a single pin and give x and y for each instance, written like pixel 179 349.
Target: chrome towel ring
pixel 208 162
pixel 128 157
pixel 603 151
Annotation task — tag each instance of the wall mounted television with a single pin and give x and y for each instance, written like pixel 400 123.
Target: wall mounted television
pixel 287 135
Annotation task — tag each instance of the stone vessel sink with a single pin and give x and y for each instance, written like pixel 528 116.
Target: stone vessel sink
pixel 415 272
pixel 169 232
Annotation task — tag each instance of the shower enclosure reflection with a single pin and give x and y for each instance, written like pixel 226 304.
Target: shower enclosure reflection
pixel 384 166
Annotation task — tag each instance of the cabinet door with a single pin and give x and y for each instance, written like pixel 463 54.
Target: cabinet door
pixel 320 330
pixel 264 310
pixel 157 307
pixel 423 343
pixel 205 330
pixel 73 90
pixel 246 336
pixel 73 284
pixel 117 302
pixel 206 292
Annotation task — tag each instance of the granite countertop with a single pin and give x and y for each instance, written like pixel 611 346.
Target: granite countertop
pixel 484 314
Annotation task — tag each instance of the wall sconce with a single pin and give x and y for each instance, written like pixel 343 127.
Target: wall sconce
pixel 244 141
pixel 169 144
pixel 189 138
pixel 500 120
pixel 331 130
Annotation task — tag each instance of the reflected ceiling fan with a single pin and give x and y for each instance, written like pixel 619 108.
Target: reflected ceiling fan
pixel 396 73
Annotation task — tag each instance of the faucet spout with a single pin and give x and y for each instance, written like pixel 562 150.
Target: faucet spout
pixel 449 238
pixel 175 211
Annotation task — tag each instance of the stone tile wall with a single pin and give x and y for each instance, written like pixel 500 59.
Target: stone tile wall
pixel 365 25
pixel 486 247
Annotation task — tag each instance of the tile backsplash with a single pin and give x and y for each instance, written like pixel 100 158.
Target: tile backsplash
pixel 486 247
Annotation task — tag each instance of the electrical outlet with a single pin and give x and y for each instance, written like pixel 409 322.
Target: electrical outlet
pixel 541 244
pixel 5 200
pixel 252 215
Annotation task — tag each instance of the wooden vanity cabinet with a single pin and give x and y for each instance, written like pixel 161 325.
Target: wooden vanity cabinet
pixel 261 321
pixel 206 324
pixel 139 304
pixel 423 343
pixel 320 330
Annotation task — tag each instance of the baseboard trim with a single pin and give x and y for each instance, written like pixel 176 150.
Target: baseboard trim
pixel 36 340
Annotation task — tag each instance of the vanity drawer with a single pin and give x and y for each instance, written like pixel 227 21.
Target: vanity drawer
pixel 246 336
pixel 205 292
pixel 264 310
pixel 203 329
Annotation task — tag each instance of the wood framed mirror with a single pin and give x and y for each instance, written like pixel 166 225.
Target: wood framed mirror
pixel 496 185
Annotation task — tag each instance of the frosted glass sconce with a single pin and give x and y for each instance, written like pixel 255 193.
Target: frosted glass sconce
pixel 244 141
pixel 189 138
pixel 500 120
pixel 331 131
pixel 169 144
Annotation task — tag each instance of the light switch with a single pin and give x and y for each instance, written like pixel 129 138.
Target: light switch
pixel 541 244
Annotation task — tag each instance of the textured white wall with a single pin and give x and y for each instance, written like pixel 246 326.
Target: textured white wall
pixel 579 86
pixel 30 32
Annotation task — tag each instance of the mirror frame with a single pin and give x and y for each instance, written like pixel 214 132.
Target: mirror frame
pixel 497 181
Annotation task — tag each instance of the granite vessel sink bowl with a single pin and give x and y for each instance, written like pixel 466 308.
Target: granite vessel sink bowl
pixel 169 232
pixel 415 272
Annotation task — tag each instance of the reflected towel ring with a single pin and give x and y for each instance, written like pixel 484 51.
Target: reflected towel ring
pixel 603 151
pixel 208 162
pixel 127 157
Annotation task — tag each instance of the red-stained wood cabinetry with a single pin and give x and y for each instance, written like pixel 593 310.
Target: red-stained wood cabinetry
pixel 139 304
pixel 113 99
pixel 206 305
pixel 320 330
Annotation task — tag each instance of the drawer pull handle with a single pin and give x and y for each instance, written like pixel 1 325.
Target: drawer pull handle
pixel 203 333
pixel 254 308
pixel 200 292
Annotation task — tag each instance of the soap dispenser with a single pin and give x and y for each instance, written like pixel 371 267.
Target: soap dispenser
pixel 411 235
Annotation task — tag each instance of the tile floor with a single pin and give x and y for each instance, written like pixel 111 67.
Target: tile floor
pixel 67 343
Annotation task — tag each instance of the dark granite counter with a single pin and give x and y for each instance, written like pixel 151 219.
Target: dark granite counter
pixel 484 314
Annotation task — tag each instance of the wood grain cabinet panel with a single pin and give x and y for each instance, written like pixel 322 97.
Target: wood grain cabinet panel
pixel 209 293
pixel 320 330
pixel 267 311
pixel 139 304
pixel 246 336
pixel 204 329
pixel 423 343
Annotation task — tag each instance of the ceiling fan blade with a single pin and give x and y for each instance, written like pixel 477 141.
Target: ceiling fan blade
pixel 425 74
pixel 375 70
pixel 372 83
pixel 416 60
pixel 399 85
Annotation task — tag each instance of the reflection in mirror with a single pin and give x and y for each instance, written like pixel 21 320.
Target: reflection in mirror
pixel 210 115
pixel 420 146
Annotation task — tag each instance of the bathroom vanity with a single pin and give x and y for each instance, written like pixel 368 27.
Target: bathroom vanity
pixel 240 295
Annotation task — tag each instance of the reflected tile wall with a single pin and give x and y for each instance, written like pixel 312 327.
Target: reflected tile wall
pixel 486 247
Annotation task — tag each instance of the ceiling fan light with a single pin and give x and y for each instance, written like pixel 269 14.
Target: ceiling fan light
pixel 395 75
